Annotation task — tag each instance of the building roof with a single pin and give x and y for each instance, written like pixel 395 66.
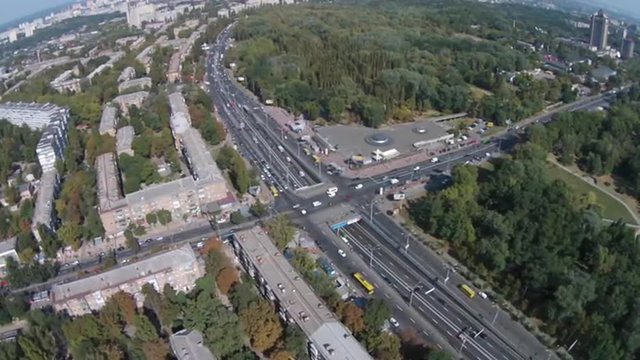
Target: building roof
pixel 133 98
pixel 202 164
pixel 124 139
pixel 180 119
pixel 143 82
pixel 8 245
pixel 330 337
pixel 44 202
pixel 126 74
pixel 108 120
pixel 108 180
pixel 174 260
pixel 187 345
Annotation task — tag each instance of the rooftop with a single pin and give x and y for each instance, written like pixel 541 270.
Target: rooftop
pixel 331 338
pixel 124 139
pixel 202 164
pixel 143 82
pixel 358 140
pixel 108 180
pixel 108 120
pixel 44 202
pixel 174 260
pixel 187 345
pixel 180 118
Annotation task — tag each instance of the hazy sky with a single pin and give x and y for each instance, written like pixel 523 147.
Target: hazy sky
pixel 14 9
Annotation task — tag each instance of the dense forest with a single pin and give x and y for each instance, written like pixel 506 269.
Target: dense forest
pixel 376 63
pixel 600 143
pixel 544 249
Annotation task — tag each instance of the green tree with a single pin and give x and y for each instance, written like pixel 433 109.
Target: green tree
pixel 281 230
pixel 258 209
pixel 152 218
pixel 375 314
pixel 164 216
pixel 71 235
pixel 236 217
pixel 132 241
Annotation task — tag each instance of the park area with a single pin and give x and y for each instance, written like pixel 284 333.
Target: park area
pixel 611 208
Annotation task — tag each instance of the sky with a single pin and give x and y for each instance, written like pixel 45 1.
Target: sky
pixel 15 9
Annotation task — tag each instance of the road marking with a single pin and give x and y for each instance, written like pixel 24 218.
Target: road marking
pixel 457 318
pixel 421 309
pixel 407 276
pixel 434 321
pixel 449 333
pixel 398 306
pixel 395 286
pixel 387 295
pixel 413 321
pixel 439 346
pixel 504 357
pixel 489 345
pixel 424 332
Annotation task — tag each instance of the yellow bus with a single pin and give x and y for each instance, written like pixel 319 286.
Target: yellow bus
pixel 274 191
pixel 365 284
pixel 467 291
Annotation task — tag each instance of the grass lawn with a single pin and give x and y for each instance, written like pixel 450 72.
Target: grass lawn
pixel 611 209
pixel 478 93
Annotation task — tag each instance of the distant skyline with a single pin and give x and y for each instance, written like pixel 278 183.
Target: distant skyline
pixel 630 6
pixel 16 9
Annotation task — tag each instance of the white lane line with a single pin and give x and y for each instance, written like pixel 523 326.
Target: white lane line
pixel 413 321
pixel 434 321
pixel 449 333
pixel 395 286
pixel 489 345
pixel 420 307
pixel 439 346
pixel 424 332
pixel 387 295
pixel 407 276
pixel 398 306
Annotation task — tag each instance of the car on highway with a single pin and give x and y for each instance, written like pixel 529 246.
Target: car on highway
pixel 344 238
pixel 296 206
pixel 434 160
pixel 394 322
pixel 417 168
pixel 301 173
pixel 358 187
pixel 394 181
pixel 317 203
pixel 281 287
pixel 303 212
pixel 331 195
pixel 124 261
pixel 159 238
pixel 342 253
pixel 482 294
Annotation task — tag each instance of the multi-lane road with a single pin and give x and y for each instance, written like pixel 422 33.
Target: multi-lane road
pixel 477 327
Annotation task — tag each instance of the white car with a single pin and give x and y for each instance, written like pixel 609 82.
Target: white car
pixel 303 212
pixel 342 253
pixel 344 238
pixel 417 168
pixel 434 160
pixel 394 181
pixel 483 294
pixel 200 244
pixel 281 287
pixel 358 187
pixel 317 203
pixel 331 194
pixel 296 206
pixel 394 322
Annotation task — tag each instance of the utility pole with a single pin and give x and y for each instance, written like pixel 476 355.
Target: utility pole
pixel 446 278
pixel 406 245
pixel 371 250
pixel 371 212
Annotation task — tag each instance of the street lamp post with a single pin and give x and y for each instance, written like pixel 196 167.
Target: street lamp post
pixel 446 278
pixel 406 243
pixel 417 287
pixel 464 340
pixel 495 316
pixel 371 250
pixel 371 211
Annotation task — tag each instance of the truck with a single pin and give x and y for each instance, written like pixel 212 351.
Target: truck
pixel 268 102
pixel 399 196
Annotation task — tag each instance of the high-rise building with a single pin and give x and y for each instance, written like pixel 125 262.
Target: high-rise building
pixel 599 30
pixel 628 45
pixel 139 13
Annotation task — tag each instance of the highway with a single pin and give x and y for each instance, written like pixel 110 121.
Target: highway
pixel 257 138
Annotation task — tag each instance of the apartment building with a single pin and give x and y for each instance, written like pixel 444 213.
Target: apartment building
pixel 140 84
pixel 127 100
pixel 7 250
pixel 204 191
pixel 295 301
pixel 44 213
pixel 179 268
pixel 108 120
pixel 188 345
pixel 66 82
pixel 124 140
pixel 127 74
pixel 34 115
